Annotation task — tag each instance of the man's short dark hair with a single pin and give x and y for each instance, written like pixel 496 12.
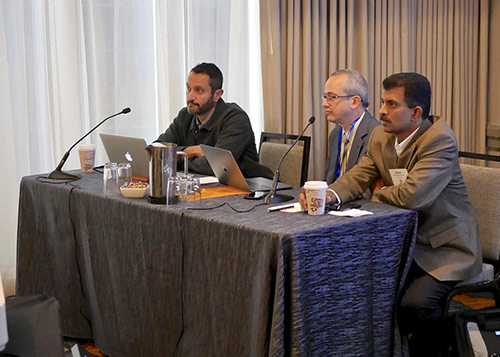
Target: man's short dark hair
pixel 212 71
pixel 417 89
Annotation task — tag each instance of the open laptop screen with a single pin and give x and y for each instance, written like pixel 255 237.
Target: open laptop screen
pixel 228 172
pixel 127 149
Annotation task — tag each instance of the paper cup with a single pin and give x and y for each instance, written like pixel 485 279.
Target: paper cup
pixel 316 196
pixel 87 157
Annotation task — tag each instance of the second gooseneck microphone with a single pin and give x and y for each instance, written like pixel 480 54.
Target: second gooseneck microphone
pixel 272 197
pixel 57 174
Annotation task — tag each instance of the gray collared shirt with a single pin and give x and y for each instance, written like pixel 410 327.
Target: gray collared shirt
pixel 200 125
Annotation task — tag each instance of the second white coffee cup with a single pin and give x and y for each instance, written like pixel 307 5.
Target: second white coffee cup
pixel 316 196
pixel 87 157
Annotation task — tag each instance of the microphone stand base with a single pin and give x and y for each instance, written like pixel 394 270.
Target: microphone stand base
pixel 279 198
pixel 60 175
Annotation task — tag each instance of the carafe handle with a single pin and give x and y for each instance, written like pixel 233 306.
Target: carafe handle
pixel 185 161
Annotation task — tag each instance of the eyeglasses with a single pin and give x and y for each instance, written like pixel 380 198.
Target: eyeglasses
pixel 331 98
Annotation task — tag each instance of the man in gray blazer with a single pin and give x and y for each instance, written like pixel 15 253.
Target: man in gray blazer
pixel 345 100
pixel 412 162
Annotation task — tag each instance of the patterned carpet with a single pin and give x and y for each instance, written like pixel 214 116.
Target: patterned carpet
pixel 87 345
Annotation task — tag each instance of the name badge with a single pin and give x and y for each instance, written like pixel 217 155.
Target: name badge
pixel 398 176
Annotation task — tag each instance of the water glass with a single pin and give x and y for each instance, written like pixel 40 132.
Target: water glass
pixel 110 178
pixel 124 174
pixel 185 179
pixel 174 190
pixel 192 189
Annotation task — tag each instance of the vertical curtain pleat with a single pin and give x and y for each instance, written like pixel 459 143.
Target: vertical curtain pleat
pixel 481 113
pixel 436 79
pixel 307 67
pixel 273 48
pixel 447 111
pixel 57 145
pixel 292 64
pixel 473 41
pixel 444 40
pixel 458 75
pixel 320 135
pixel 378 58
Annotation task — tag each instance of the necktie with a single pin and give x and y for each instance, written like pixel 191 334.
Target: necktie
pixel 343 162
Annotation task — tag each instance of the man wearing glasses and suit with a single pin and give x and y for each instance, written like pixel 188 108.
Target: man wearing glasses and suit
pixel 345 100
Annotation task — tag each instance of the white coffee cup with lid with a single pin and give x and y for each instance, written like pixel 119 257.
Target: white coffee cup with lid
pixel 316 197
pixel 87 157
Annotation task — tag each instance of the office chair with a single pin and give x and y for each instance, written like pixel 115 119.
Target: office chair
pixel 483 186
pixel 295 166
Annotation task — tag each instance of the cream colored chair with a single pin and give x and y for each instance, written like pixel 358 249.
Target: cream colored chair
pixel 483 187
pixel 295 166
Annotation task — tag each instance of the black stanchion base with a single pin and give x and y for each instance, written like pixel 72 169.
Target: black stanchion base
pixel 278 198
pixel 157 200
pixel 60 175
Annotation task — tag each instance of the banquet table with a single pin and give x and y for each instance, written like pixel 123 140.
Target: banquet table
pixel 202 279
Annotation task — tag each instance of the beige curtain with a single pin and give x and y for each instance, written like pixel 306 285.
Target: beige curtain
pixel 304 41
pixel 452 51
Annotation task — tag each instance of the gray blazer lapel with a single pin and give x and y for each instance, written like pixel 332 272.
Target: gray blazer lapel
pixel 333 151
pixel 357 144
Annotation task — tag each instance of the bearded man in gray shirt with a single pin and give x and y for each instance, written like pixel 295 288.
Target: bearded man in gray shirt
pixel 208 120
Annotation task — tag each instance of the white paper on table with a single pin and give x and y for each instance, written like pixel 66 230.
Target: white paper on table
pixel 208 179
pixel 353 212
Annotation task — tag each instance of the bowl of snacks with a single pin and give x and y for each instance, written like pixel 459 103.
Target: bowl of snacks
pixel 134 189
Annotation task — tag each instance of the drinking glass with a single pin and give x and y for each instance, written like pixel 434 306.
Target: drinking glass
pixel 174 190
pixel 110 178
pixel 124 174
pixel 193 189
pixel 185 183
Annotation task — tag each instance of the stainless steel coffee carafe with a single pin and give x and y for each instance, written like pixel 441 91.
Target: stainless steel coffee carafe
pixel 162 165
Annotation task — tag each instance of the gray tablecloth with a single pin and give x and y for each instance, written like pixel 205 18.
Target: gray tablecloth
pixel 148 280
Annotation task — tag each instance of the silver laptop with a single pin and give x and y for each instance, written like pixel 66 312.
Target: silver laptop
pixel 228 172
pixel 127 149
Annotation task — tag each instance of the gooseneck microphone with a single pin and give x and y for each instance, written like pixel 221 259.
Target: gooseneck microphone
pixel 57 174
pixel 272 197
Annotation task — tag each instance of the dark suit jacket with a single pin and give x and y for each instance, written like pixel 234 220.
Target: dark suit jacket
pixel 358 148
pixel 448 245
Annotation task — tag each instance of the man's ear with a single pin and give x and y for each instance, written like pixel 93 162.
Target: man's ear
pixel 356 101
pixel 416 113
pixel 217 94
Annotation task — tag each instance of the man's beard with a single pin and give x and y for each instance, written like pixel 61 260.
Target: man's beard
pixel 201 109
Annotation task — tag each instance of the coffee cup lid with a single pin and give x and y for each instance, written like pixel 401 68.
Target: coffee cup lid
pixel 86 147
pixel 316 184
